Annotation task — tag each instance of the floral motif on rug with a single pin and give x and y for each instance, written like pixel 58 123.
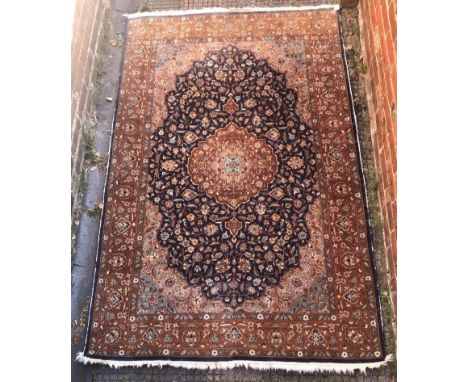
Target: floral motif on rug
pixel 235 223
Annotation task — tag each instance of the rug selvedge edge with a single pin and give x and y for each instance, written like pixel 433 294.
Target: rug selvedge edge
pixel 370 233
pixel 105 194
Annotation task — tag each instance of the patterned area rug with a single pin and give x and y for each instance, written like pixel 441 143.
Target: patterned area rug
pixel 234 230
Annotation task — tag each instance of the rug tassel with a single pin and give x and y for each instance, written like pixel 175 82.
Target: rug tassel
pixel 262 365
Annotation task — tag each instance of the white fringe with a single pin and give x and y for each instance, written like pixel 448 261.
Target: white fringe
pixel 229 10
pixel 257 365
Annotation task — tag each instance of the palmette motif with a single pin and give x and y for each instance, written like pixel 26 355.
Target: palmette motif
pixel 281 200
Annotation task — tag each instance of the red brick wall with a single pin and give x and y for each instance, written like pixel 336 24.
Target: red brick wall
pixel 378 33
pixel 87 27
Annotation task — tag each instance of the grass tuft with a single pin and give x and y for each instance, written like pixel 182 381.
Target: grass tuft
pixel 386 304
pixel 144 7
pixel 359 65
pixel 354 29
pixel 99 67
pixel 91 156
pixel 83 182
pixel 95 212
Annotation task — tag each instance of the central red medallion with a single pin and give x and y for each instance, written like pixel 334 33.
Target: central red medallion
pixel 232 165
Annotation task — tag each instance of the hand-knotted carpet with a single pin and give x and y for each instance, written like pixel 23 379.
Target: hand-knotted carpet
pixel 235 230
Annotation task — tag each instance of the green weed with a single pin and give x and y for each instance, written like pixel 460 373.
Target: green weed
pixel 359 65
pixel 144 7
pixel 83 182
pixel 95 212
